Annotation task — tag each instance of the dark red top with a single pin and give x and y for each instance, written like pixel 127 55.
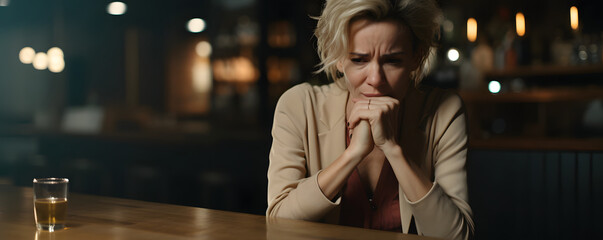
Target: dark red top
pixel 376 210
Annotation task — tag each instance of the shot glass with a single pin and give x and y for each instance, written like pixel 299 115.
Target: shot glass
pixel 50 203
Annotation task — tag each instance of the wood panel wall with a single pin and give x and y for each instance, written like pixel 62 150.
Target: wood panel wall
pixel 536 194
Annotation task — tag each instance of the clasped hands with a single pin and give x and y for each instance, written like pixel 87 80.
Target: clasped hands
pixel 374 122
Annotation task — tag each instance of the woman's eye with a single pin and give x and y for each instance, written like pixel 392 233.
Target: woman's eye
pixel 357 60
pixel 394 60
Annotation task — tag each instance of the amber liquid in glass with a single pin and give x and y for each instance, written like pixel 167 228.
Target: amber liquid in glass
pixel 51 213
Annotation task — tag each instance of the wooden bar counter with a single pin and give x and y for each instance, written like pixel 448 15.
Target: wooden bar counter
pixel 97 217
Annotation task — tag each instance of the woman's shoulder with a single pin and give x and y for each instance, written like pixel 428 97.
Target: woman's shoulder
pixel 296 92
pixel 304 92
pixel 306 101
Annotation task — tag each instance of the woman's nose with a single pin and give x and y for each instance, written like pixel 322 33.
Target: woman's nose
pixel 375 76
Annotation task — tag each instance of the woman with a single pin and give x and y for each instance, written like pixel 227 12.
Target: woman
pixel 374 149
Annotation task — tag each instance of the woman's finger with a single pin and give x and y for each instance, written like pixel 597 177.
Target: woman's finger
pixel 371 115
pixel 371 109
pixel 376 100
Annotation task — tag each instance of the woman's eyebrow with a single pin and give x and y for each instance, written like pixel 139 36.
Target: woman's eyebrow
pixel 360 54
pixel 394 54
pixel 384 55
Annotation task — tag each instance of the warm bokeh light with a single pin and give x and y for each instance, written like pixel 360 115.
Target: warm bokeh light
pixel 520 24
pixel 202 76
pixel 281 70
pixel 26 55
pixel 281 34
pixel 117 8
pixel 56 65
pixel 471 29
pixel 237 69
pixel 196 25
pixel 494 86
pixel 453 55
pixel 56 61
pixel 574 17
pixel 40 61
pixel 55 52
pixel 203 49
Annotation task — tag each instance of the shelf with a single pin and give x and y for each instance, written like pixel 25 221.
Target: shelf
pixel 537 95
pixel 524 143
pixel 546 70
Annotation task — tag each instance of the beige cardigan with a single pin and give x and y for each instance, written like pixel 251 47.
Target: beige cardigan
pixel 309 133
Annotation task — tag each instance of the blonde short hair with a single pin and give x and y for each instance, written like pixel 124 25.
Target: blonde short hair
pixel 421 16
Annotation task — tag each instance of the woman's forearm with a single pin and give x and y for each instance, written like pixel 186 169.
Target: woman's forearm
pixel 332 178
pixel 413 182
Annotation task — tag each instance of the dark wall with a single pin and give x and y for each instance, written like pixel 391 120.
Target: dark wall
pixel 203 170
pixel 536 194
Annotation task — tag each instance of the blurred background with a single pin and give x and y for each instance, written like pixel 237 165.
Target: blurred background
pixel 172 101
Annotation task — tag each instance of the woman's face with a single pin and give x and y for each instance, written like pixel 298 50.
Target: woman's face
pixel 380 59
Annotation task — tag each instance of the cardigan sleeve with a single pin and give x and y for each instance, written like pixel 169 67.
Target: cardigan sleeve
pixel 291 193
pixel 444 211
